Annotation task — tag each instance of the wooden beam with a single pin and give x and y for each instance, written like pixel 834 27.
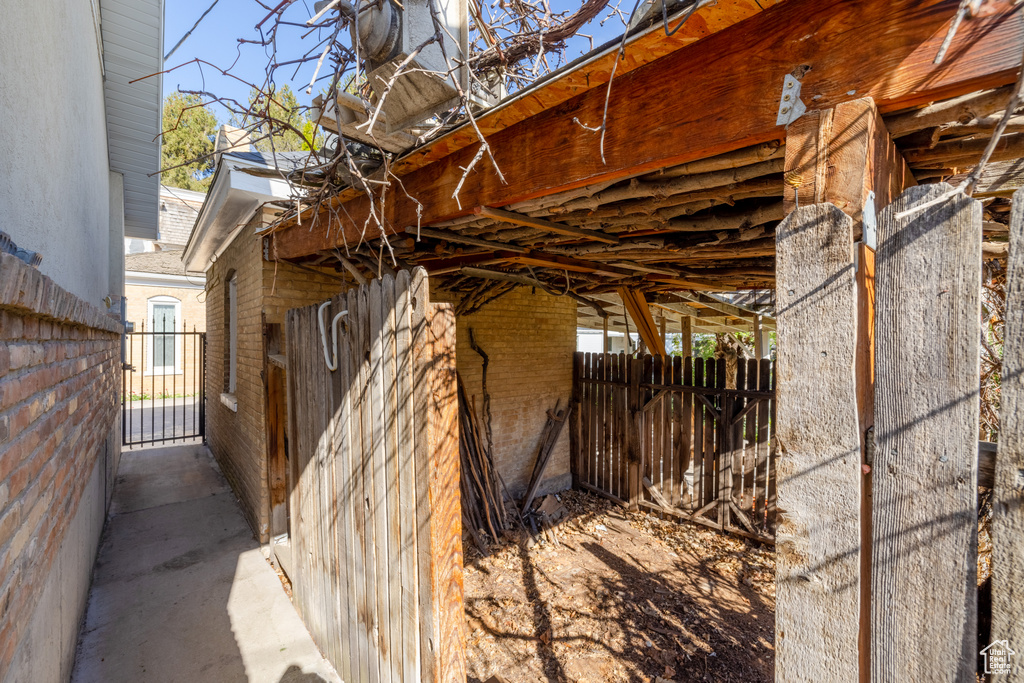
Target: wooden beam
pixel 459 238
pixel 925 516
pixel 846 157
pixel 654 124
pixel 1008 496
pixel 686 329
pixel 640 312
pixel 817 564
pixel 541 224
pixel 840 156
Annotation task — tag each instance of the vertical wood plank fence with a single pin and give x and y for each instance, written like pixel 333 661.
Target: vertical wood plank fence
pixel 922 616
pixel 376 523
pixel 667 435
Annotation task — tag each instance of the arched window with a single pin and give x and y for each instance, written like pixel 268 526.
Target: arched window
pixel 163 319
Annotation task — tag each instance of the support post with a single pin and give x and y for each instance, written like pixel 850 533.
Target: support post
pixel 845 156
pixel 817 565
pixel 686 328
pixel 758 338
pixel 633 463
pixel 925 516
pixel 604 337
pixel 1008 495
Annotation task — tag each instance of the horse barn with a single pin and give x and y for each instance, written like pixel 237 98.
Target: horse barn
pixel 452 490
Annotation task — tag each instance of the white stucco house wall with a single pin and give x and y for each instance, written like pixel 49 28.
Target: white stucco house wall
pixel 78 152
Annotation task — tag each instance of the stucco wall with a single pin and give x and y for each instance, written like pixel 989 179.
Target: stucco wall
pixel 54 194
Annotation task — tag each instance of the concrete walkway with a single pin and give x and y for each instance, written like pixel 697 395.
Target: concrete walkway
pixel 181 590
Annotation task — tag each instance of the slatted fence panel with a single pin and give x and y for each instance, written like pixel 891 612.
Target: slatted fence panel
pixel 376 530
pixel 681 437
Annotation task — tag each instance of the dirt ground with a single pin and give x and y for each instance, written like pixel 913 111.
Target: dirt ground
pixel 622 597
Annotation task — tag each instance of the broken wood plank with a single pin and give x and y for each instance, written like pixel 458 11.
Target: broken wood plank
pixel 1008 495
pixel 924 517
pixel 818 536
pixel 640 312
pixel 542 224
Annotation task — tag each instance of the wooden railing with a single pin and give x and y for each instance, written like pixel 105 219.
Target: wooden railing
pixel 669 436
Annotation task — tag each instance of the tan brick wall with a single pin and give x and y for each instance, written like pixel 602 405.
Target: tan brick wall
pixel 238 439
pixel 59 383
pixel 530 340
pixel 193 311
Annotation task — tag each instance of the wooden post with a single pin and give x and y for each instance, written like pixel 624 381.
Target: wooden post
pixel 818 535
pixel 758 338
pixel 845 156
pixel 634 467
pixel 661 331
pixel 1008 495
pixel 686 328
pixel 604 337
pixel 925 518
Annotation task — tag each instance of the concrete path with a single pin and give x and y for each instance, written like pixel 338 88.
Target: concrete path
pixel 181 590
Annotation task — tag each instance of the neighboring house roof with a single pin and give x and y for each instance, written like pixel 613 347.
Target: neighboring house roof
pixel 132 32
pixel 234 198
pixel 160 269
pixel 163 262
pixel 178 212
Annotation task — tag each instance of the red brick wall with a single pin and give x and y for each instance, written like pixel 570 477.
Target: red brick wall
pixel 59 382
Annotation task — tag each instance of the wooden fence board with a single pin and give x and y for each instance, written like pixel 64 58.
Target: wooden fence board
pixel 1008 494
pixel 817 540
pixel 924 518
pixel 377 561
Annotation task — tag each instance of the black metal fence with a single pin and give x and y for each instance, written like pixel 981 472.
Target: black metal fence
pixel 164 387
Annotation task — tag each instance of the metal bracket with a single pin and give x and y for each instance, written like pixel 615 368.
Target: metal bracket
pixel 870 221
pixel 790 105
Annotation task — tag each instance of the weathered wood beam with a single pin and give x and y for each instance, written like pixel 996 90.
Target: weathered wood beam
pixel 818 567
pixel 845 157
pixel 842 155
pixel 963 109
pixel 675 126
pixel 999 179
pixel 925 518
pixel 1008 494
pixel 541 224
pixel 640 312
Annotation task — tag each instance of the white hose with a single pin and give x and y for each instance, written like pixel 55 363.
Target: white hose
pixel 332 366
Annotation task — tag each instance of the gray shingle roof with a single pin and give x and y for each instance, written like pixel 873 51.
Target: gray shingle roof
pixel 178 212
pixel 163 262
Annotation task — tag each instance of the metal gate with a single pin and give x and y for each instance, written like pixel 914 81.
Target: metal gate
pixel 163 387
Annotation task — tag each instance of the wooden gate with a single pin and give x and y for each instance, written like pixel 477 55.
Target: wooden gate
pixel 376 523
pixel 668 436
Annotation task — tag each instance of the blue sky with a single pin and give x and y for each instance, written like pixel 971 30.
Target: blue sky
pixel 216 41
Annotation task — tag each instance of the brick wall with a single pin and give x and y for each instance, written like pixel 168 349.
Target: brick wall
pixel 238 438
pixel 59 382
pixel 530 340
